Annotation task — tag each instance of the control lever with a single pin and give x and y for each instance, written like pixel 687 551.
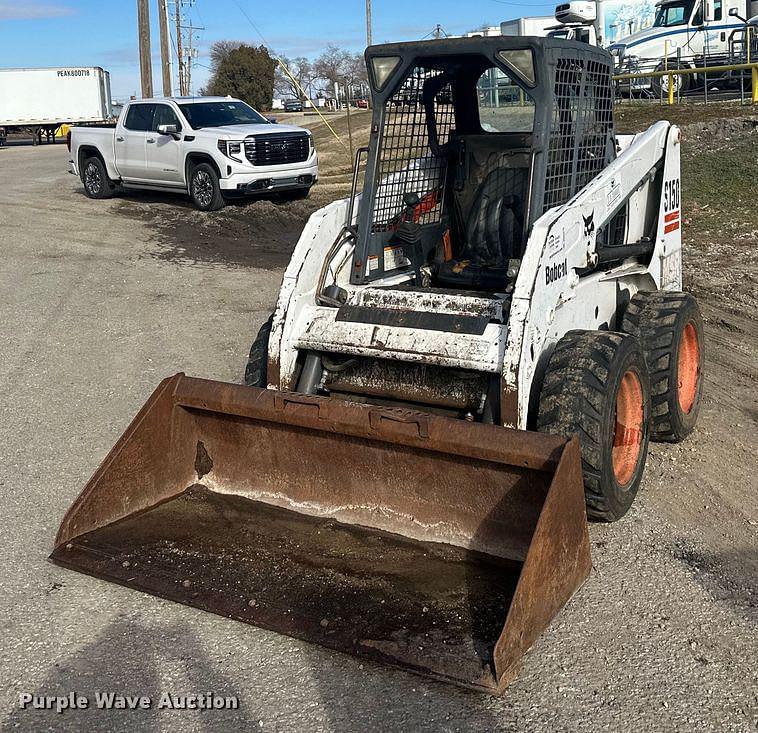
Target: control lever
pixel 408 234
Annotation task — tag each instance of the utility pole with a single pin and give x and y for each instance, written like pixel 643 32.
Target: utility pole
pixel 191 54
pixel 180 58
pixel 165 48
pixel 145 62
pixel 185 52
pixel 368 22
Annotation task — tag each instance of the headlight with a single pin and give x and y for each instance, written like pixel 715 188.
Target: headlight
pixel 231 148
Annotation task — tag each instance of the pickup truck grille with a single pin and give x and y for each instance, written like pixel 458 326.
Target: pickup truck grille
pixel 277 149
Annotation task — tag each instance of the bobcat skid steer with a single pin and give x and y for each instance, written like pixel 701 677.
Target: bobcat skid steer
pixel 465 360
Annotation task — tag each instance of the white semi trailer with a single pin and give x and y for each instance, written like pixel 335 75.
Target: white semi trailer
pixel 529 26
pixel 40 100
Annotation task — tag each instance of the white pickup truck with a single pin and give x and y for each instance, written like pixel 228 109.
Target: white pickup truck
pixel 209 147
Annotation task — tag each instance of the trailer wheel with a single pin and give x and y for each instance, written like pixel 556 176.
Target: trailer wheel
pixel 257 364
pixel 597 386
pixel 204 188
pixel 670 328
pixel 660 84
pixel 97 185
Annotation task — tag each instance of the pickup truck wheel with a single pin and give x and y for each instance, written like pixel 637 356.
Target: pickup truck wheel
pixel 204 188
pixel 97 185
pixel 597 386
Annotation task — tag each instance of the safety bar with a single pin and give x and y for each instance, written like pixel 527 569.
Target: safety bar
pixel 680 71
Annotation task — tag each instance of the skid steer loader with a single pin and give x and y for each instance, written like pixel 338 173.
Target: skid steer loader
pixel 465 359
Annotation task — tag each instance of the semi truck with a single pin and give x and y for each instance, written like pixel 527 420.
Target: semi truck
pixel 40 100
pixel 644 36
pixel 685 34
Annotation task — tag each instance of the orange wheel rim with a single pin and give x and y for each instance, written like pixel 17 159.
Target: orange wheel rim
pixel 628 431
pixel 688 369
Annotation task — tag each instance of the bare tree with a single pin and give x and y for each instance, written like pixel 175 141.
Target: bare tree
pixel 332 65
pixel 301 70
pixel 355 70
pixel 220 51
pixel 339 67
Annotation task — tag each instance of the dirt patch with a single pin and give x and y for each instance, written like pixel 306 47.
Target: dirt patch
pixel 707 483
pixel 260 234
pixel 638 116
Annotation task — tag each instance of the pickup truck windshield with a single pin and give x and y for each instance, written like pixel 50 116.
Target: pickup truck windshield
pixel 673 14
pixel 221 114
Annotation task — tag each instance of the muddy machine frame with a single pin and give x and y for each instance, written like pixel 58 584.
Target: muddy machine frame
pixel 380 490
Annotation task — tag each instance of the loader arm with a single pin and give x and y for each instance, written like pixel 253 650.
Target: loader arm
pixel 571 253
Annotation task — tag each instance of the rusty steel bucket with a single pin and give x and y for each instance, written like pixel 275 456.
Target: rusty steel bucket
pixel 436 545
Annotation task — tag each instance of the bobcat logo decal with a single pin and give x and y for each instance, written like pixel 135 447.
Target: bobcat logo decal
pixel 589 224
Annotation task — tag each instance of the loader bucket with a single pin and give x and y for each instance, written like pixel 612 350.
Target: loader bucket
pixel 436 545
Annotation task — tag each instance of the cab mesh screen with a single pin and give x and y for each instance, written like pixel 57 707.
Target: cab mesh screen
pixel 407 163
pixel 582 128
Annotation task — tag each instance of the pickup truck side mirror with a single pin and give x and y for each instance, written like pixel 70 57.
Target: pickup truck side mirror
pixel 172 130
pixel 272 120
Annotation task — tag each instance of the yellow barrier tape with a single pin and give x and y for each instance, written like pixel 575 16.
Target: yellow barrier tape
pixel 303 92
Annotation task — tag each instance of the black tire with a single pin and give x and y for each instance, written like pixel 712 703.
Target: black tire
pixel 660 84
pixel 669 327
pixel 204 188
pixel 256 372
pixel 590 374
pixel 95 179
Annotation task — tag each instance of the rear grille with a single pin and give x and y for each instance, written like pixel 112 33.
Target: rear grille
pixel 278 149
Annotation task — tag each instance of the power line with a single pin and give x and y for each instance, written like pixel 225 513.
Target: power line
pixel 288 73
pixel 255 27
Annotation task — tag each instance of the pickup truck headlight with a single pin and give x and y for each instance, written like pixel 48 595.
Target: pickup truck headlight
pixel 231 148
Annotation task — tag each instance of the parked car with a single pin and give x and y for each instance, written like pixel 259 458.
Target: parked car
pixel 293 105
pixel 361 103
pixel 209 147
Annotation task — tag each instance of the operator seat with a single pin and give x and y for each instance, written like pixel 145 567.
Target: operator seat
pixel 492 233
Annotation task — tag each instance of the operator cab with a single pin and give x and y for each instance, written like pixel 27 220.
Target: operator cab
pixel 469 147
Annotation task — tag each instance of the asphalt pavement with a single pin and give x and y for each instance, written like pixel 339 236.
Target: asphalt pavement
pixel 660 638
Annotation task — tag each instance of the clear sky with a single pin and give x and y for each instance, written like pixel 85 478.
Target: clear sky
pixel 104 32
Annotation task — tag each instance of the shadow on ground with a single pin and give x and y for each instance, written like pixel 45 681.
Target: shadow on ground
pixel 122 659
pixel 730 577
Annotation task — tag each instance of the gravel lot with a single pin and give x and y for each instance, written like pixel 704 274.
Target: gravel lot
pixel 97 304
